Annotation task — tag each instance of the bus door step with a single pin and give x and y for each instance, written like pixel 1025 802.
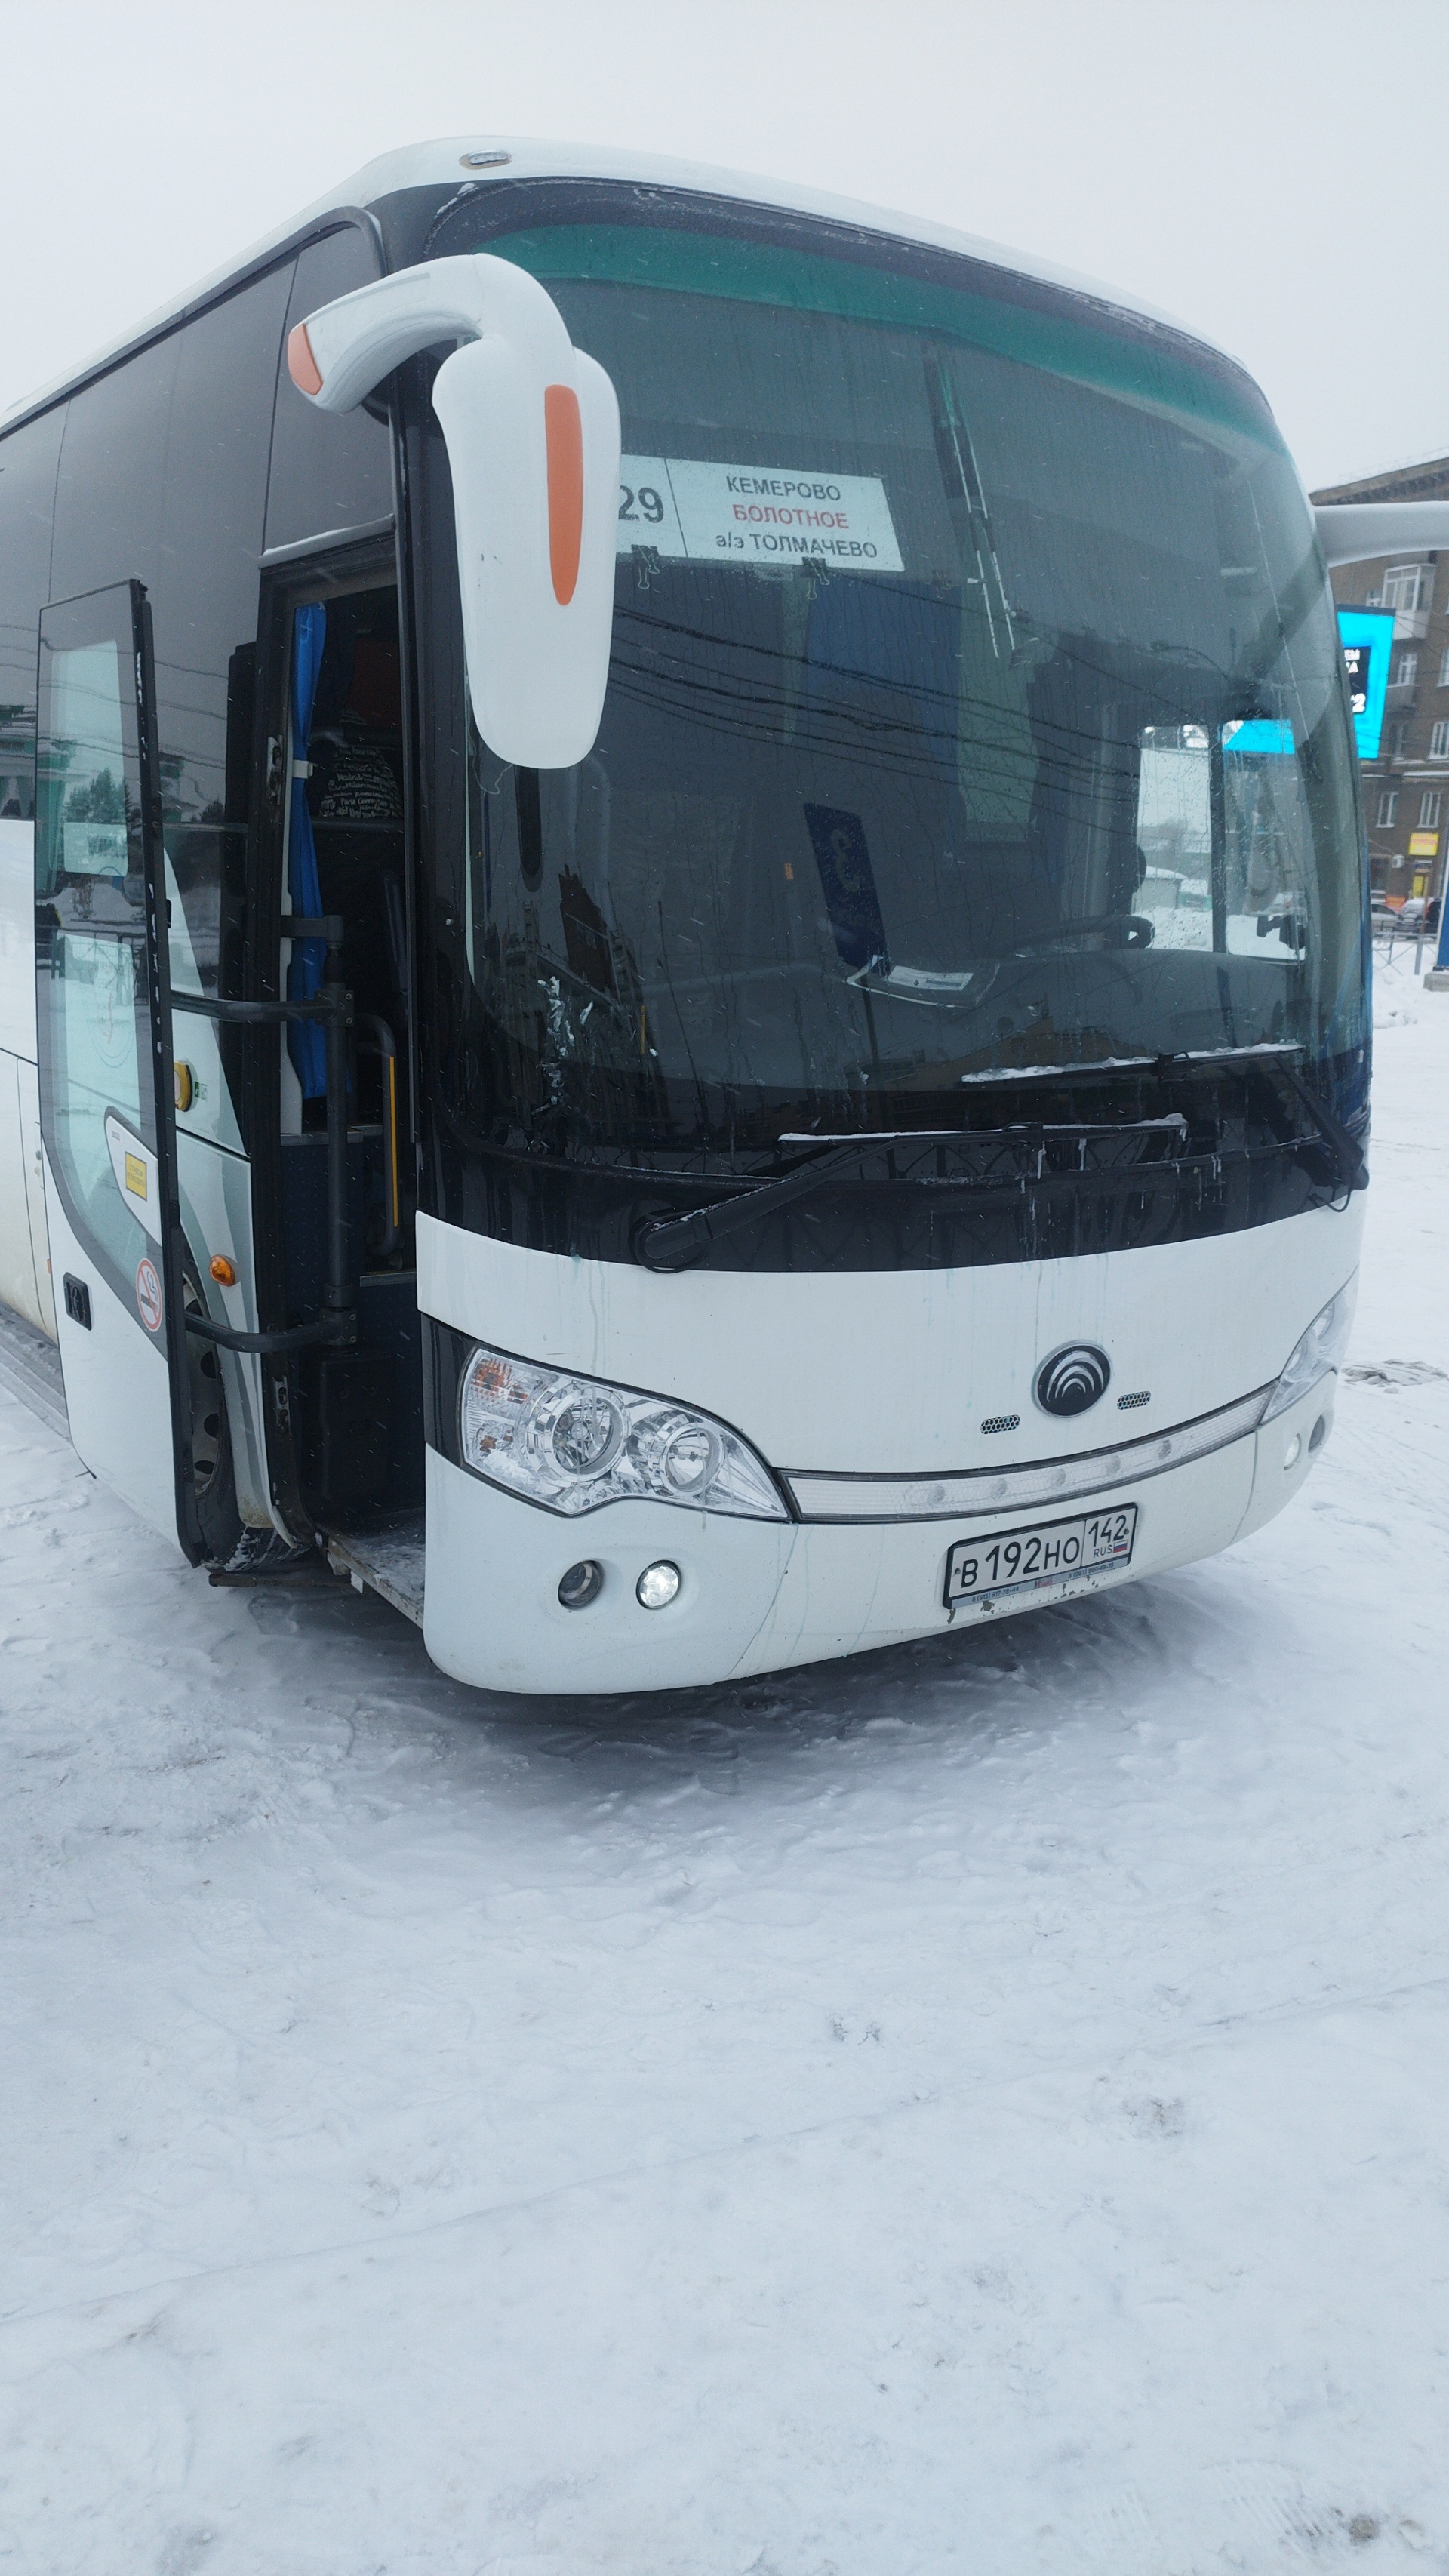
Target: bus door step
pixel 386 1561
pixel 30 1369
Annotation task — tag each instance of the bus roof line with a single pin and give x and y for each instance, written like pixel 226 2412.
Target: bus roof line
pixel 188 307
pixel 438 163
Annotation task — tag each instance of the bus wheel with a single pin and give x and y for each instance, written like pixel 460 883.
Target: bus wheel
pixel 214 1483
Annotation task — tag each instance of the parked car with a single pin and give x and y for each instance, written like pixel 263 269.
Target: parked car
pixel 1416 915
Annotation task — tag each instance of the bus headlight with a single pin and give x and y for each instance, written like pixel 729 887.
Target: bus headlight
pixel 572 1443
pixel 1317 1352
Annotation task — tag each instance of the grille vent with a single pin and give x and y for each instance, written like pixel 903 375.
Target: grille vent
pixel 1002 1422
pixel 1130 1403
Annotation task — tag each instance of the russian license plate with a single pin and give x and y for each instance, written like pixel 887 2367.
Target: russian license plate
pixel 1040 1554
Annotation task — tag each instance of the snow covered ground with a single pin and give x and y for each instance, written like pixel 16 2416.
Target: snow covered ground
pixel 982 2107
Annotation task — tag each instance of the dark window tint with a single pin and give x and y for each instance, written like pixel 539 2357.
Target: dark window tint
pixel 27 492
pixel 976 704
pixel 112 469
pixel 328 470
pixel 205 602
pixel 354 795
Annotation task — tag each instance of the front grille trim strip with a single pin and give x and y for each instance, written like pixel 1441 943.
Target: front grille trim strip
pixel 980 1492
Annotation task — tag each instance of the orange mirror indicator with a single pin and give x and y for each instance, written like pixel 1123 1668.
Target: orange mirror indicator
pixel 222 1270
pixel 302 367
pixel 564 431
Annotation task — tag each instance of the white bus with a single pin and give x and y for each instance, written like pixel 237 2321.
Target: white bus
pixel 684 930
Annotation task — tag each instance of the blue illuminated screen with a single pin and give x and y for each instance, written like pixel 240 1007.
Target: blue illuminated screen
pixel 1367 637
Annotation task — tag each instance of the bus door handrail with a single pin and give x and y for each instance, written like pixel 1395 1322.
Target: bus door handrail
pixel 333 1006
pixel 381 1037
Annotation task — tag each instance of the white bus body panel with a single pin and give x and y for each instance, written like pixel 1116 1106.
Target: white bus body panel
pixel 24 1274
pixel 892 1372
pixel 215 1192
pixel 758 1596
pixel 115 1381
pixel 17 1253
pixel 24 1267
pixel 861 1373
pixel 117 1387
pixel 33 1165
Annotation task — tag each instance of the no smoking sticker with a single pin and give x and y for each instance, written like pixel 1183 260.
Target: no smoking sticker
pixel 148 1295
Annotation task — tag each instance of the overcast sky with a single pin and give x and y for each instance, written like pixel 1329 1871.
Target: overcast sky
pixel 1268 173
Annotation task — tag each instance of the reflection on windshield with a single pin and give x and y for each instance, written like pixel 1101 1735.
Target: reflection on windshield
pixel 964 713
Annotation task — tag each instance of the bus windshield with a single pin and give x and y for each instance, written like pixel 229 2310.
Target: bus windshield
pixel 976 706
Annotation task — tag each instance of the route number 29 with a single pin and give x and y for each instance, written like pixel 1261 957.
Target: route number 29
pixel 650 506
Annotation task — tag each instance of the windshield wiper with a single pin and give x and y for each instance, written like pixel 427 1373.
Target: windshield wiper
pixel 1347 1151
pixel 673 1242
pixel 1001 1077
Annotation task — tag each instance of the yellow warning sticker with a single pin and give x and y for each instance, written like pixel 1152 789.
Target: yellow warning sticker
pixel 135 1176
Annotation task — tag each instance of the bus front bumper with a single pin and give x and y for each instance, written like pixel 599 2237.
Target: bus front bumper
pixel 757 1596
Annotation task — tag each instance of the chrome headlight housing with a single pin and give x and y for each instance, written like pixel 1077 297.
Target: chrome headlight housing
pixel 1316 1353
pixel 575 1443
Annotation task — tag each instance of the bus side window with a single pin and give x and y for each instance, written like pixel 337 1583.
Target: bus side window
pixel 329 470
pixel 27 489
pixel 28 461
pixel 112 475
pixel 206 618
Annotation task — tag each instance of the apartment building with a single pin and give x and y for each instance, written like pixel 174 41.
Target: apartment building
pixel 1406 790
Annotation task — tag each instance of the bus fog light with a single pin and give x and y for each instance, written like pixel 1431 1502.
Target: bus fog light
pixel 574 1443
pixel 1317 1352
pixel 582 1584
pixel 1292 1453
pixel 657 1585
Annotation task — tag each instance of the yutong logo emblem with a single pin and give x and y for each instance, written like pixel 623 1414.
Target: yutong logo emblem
pixel 1072 1379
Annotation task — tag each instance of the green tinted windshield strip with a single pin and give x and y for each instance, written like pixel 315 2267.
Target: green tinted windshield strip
pixel 754 272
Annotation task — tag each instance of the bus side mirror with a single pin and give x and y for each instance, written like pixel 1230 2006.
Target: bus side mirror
pixel 1356 531
pixel 531 426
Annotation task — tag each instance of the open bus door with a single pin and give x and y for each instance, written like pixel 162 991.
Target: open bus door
pixel 138 1347
pixel 103 1027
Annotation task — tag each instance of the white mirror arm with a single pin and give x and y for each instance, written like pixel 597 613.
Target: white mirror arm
pixel 531 427
pixel 1357 531
pixel 339 353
